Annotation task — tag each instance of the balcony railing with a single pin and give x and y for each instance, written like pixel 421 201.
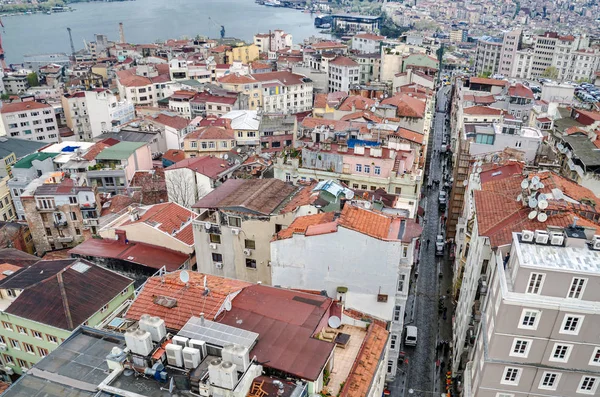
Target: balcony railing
pixel 64 239
pixel 60 224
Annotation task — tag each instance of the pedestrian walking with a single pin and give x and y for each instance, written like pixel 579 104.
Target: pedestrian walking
pixel 428 243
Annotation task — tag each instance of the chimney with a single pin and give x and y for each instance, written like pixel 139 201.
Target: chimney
pixel 202 319
pixel 121 236
pixel 121 33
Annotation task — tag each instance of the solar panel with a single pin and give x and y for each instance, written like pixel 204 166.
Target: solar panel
pixel 217 334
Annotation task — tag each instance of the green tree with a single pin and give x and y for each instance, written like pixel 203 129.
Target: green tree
pixel 32 79
pixel 551 72
pixel 486 74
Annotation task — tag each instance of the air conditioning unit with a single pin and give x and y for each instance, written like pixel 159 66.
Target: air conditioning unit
pixel 541 237
pixel 154 325
pixel 557 239
pixel 596 244
pixel 229 375
pixel 213 246
pixel 247 252
pixel 527 236
pixel 86 222
pixel 219 265
pixel 235 231
pixel 198 344
pixel 180 340
pixel 174 355
pixel 9 371
pixel 191 357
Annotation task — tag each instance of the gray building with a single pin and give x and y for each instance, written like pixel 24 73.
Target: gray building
pixel 487 58
pixel 540 313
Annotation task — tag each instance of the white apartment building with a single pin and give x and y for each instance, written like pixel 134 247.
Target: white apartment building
pixel 144 85
pixel 285 92
pixel 29 120
pixel 367 43
pixel 343 73
pixel 586 62
pixel 510 45
pixel 183 69
pixel 105 109
pixel 273 41
pixel 487 58
pixel 538 329
pixel 76 115
pixel 335 253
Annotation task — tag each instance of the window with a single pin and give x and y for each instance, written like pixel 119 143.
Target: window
pixel 8 359
pixel 211 145
pixel 358 167
pixel 215 238
pixel 520 348
pixel 367 169
pixel 223 144
pixel 549 381
pixel 43 352
pixel 2 340
pixel 251 263
pixel 397 311
pixel 77 231
pixel 529 319
pixel 577 287
pixel 401 280
pixel 390 366
pixel 536 280
pixel 194 144
pixel 7 326
pixel 404 251
pixel 393 342
pixel 216 257
pixel 73 200
pixel 23 364
pixel 377 170
pixel 595 360
pixel 511 376
pixel 364 187
pixel 29 348
pixel 250 244
pixel 73 216
pixel 21 330
pixel 234 221
pixel 54 339
pixel 240 134
pixel 571 324
pixel 588 385
pixel 561 353
pixel 504 395
pixel 15 344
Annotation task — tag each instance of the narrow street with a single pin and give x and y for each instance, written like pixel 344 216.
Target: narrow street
pixel 419 375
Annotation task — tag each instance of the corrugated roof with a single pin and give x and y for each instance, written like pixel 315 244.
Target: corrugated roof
pixel 120 151
pixel 192 299
pixel 286 322
pixel 20 147
pixel 27 161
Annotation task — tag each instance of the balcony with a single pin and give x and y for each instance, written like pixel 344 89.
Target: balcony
pixel 60 224
pixel 64 239
pixel 45 209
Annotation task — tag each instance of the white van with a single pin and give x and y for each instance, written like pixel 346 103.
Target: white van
pixel 411 336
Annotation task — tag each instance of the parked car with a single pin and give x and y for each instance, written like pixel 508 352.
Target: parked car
pixel 411 335
pixel 442 199
pixel 439 245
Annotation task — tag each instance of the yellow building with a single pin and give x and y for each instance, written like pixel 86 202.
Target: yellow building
pixel 210 140
pixel 7 212
pixel 244 54
pixel 101 69
pixel 244 84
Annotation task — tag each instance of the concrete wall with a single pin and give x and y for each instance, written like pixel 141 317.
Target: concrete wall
pixel 144 233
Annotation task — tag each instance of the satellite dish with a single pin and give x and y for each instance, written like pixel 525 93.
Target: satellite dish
pixel 172 385
pixel 367 205
pixel 228 305
pixel 542 204
pixel 541 185
pixel 532 202
pixel 534 186
pixel 535 179
pixel 532 214
pixel 519 197
pixel 542 217
pixel 560 147
pixel 184 276
pixel 542 197
pixel 334 322
pixel 207 225
pixel 524 184
pixel 225 156
pixel 479 169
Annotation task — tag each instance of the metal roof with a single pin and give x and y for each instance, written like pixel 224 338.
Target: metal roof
pixel 20 147
pixel 120 151
pixel 584 149
pixel 217 334
pixel 27 161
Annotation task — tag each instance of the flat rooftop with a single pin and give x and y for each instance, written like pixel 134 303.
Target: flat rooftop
pixel 553 257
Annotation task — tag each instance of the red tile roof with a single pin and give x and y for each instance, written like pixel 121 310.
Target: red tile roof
pixel 407 105
pixel 94 150
pixel 327 45
pixel 23 106
pixel 286 322
pixel 482 111
pixel 302 223
pixel 485 81
pixel 362 374
pixel 343 61
pixel 191 298
pixel 209 166
pixel 283 77
pixel 227 100
pixel 521 91
pixel 356 102
pixel 320 101
pixel 169 217
pixel 369 36
pixel 363 114
pixel 176 122
pixel 235 78
pixel 480 99
pixel 574 130
pixel 212 132
pixel 148 255
pixel 7 267
pixel 305 196
pixel 410 135
pixel 174 155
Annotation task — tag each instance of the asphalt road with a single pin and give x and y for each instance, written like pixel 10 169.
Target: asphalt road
pixel 419 376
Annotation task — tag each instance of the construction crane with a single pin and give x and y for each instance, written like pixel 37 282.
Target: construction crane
pixel 218 25
pixel 2 61
pixel 72 45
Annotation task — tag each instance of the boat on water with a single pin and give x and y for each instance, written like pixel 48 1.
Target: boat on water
pixel 272 3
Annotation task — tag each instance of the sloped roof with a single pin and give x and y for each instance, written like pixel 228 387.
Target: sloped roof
pixel 27 161
pixel 173 121
pixel 301 224
pixel 86 287
pixel 286 322
pixel 120 151
pixel 17 257
pixel 236 78
pixel 192 298
pixel 174 155
pixel 169 218
pixel 283 77
pixel 344 61
pixel 260 196
pixel 95 150
pixel 519 90
pixel 206 165
pixel 407 105
pixel 482 111
pixel 356 101
pixel 20 147
pixel 409 135
pixel 486 81
pixel 212 132
pixel 23 106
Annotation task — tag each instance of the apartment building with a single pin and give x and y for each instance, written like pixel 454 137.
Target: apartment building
pixel 237 222
pixel 511 42
pixel 328 252
pixel 210 140
pixel 59 214
pixel 116 165
pixel 487 57
pixel 105 110
pixel 367 43
pixel 42 304
pixel 285 92
pixel 144 85
pixel 344 72
pixel 29 120
pixel 76 115
pixel 539 317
